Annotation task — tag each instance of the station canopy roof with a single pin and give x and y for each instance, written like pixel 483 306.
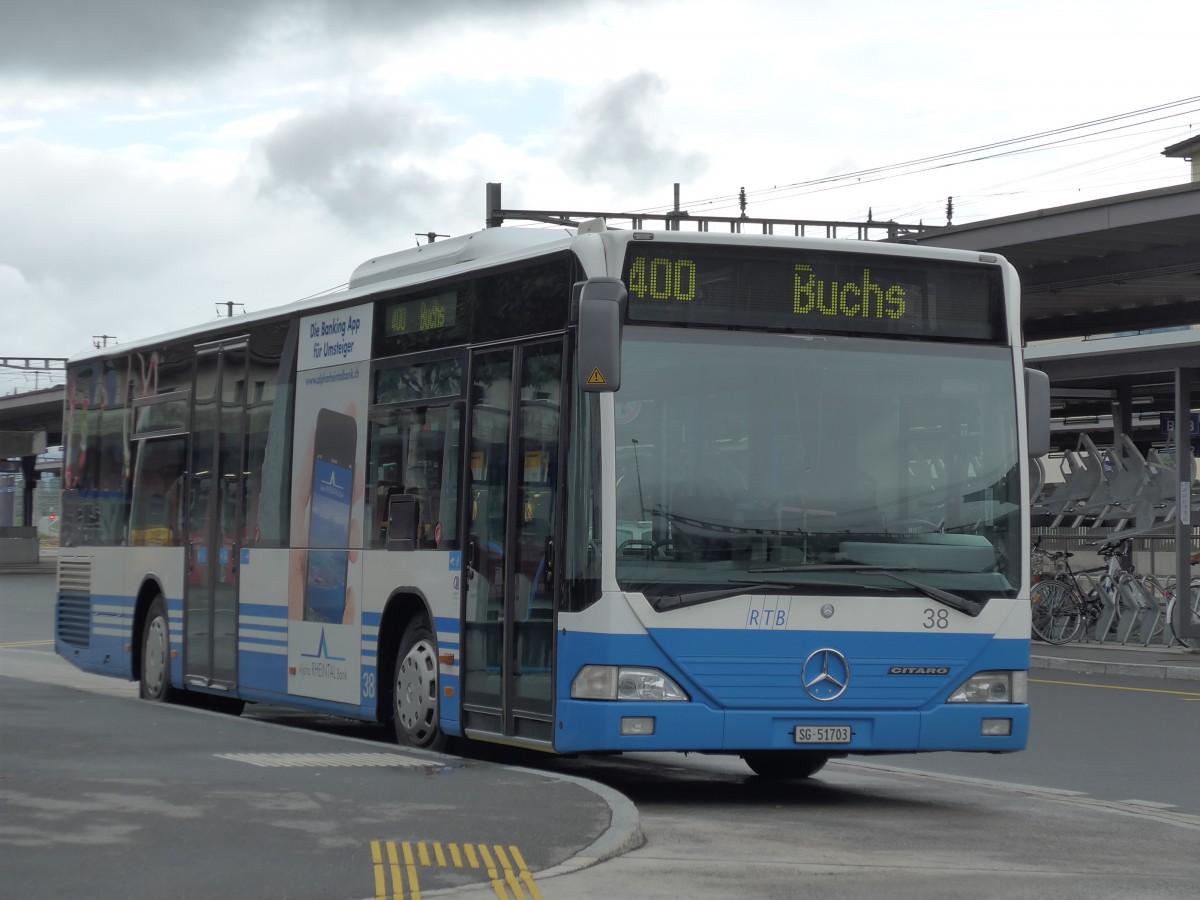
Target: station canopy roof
pixel 1125 263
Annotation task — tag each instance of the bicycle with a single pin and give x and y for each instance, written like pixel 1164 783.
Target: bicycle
pixel 1061 611
pixel 1128 600
pixel 1172 596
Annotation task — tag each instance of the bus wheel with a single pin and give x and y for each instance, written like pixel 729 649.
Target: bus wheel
pixel 415 690
pixel 156 654
pixel 780 764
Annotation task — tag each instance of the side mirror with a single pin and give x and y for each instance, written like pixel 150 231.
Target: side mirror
pixel 1037 412
pixel 598 347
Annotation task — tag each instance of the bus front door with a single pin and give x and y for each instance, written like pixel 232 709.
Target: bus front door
pixel 511 514
pixel 215 514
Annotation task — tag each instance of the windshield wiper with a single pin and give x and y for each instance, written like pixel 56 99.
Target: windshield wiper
pixel 964 605
pixel 695 598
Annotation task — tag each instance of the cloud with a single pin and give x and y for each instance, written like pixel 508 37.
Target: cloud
pixel 124 39
pixel 350 158
pixel 14 125
pixel 126 249
pixel 615 139
pixel 132 41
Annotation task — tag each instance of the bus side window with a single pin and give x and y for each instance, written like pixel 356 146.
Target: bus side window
pixel 415 452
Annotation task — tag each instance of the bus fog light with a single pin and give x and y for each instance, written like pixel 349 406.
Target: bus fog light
pixel 635 725
pixel 996 728
pixel 993 687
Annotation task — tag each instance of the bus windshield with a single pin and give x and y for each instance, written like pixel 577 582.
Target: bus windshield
pixel 827 461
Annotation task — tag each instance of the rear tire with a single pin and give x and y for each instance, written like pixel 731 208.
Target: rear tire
pixel 155 681
pixel 785 764
pixel 415 701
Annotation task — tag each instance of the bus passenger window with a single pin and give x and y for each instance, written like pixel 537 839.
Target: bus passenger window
pixel 415 451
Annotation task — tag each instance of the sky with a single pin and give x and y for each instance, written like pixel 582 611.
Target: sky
pixel 160 158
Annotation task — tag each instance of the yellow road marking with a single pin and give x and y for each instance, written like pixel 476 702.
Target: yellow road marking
pixel 1191 695
pixel 509 875
pixel 397 876
pixel 497 884
pixel 414 886
pixel 506 868
pixel 11 644
pixel 380 875
pixel 526 876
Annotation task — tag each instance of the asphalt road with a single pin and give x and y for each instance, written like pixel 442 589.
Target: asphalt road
pixel 104 796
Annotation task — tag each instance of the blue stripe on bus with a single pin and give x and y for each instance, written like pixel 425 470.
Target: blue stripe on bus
pixel 262 672
pixel 263 611
pixel 262 642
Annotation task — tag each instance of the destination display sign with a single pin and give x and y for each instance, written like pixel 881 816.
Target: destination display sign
pixel 814 291
pixel 425 314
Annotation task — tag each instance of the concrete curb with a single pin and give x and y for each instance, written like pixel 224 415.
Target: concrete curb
pixel 1101 667
pixel 38 568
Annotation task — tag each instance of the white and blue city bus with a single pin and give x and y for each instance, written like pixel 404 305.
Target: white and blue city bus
pixel 578 490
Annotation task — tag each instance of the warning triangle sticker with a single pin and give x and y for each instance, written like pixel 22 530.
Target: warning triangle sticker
pixel 596 377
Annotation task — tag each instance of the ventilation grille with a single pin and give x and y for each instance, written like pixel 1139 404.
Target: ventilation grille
pixel 75 620
pixel 75 575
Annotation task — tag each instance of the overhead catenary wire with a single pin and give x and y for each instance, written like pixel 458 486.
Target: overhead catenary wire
pixel 1007 147
pixel 987 190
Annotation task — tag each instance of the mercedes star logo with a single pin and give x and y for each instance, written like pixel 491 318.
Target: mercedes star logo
pixel 825 675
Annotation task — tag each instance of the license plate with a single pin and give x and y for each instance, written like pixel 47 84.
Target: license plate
pixel 822 734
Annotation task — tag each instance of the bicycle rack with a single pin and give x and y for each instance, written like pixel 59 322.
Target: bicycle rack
pixel 1139 612
pixel 1118 486
pixel 1108 607
pixel 1152 613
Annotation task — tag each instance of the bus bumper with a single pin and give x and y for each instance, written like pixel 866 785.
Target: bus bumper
pixel 602 726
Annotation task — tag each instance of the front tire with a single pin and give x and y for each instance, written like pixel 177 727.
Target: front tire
pixel 785 764
pixel 155 681
pixel 415 706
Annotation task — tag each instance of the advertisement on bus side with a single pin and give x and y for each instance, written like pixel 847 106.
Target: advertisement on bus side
pixel 328 459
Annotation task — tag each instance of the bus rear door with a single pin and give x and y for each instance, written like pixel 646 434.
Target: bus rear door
pixel 215 514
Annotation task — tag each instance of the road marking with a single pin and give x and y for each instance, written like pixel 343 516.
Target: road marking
pixel 1191 695
pixel 310 760
pixel 1142 810
pixel 410 867
pixel 380 877
pixel 13 644
pixel 525 876
pixel 506 869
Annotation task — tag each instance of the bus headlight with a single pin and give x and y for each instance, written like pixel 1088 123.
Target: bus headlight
pixel 622 683
pixel 993 687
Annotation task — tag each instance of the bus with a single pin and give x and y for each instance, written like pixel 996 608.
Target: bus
pixel 578 489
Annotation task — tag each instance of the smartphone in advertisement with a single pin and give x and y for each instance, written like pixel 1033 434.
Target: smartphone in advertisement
pixel 329 516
